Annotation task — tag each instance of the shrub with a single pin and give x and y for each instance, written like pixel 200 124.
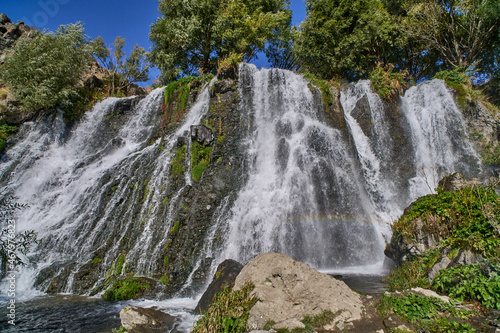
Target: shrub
pixel 5 132
pixel 386 82
pixel 43 70
pixel 228 312
pixel 480 282
pixel 465 218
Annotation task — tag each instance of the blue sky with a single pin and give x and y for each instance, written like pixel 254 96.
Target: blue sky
pixel 130 19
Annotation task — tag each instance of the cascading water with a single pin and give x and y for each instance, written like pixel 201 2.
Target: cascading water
pixel 324 195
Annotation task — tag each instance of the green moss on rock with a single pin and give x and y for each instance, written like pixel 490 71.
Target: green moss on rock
pixel 200 158
pixel 126 289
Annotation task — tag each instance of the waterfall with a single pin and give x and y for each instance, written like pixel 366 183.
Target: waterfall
pixel 323 194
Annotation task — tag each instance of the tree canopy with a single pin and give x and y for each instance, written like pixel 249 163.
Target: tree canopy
pixel 43 69
pixel 121 71
pixel 193 35
pixel 344 37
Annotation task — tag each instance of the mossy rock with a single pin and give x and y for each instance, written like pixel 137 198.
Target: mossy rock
pixel 127 289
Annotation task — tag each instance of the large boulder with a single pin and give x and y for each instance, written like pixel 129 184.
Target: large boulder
pixel 142 320
pixel 223 278
pixel 289 290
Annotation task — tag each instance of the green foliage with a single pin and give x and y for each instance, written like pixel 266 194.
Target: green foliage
pixel 443 325
pixel 5 132
pixel 165 279
pixel 465 218
pixel 175 227
pixel 386 82
pixel 119 330
pixel 200 158
pixel 121 72
pixel 232 60
pixel 192 35
pixel 127 289
pixel 119 264
pixel 228 312
pixel 419 309
pixel 43 70
pixel 480 282
pixel 344 38
pixel 165 261
pixel 462 32
pixel 324 87
pixel 96 260
pixel 412 273
pixel 178 161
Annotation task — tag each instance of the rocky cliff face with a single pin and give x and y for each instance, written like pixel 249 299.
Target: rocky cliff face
pixel 165 187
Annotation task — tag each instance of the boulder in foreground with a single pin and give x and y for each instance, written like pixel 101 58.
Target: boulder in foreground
pixel 289 290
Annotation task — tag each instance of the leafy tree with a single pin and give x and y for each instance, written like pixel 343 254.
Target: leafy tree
pixel 12 244
pixel 192 35
pixel 280 49
pixel 344 37
pixel 122 72
pixel 43 69
pixel 463 32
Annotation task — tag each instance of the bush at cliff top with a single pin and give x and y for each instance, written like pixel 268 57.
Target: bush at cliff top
pixel 43 69
pixel 466 218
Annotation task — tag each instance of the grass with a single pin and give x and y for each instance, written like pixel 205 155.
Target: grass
pixel 178 161
pixel 175 227
pixel 228 312
pixel 200 158
pixel 165 279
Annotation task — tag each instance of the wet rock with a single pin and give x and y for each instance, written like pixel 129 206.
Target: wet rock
pixel 144 320
pixel 456 181
pixel 221 87
pixel 289 290
pixel 202 134
pixel 93 82
pixel 224 278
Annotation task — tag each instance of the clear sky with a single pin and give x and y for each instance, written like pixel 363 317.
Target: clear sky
pixel 130 19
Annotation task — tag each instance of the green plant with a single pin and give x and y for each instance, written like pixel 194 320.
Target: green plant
pixel 232 60
pixel 165 279
pixel 5 132
pixel 443 325
pixel 324 87
pixel 119 264
pixel 269 324
pixel 175 227
pixel 43 70
pixel 165 260
pixel 463 218
pixel 386 82
pixel 418 309
pixel 228 312
pixel 200 158
pixel 119 330
pixel 96 260
pixel 126 289
pixel 178 161
pixel 480 282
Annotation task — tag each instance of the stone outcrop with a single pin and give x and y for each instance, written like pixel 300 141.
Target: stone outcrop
pixel 224 277
pixel 289 290
pixel 145 320
pixel 10 32
pixel 202 134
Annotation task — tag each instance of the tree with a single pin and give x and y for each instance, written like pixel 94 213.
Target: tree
pixel 280 50
pixel 43 69
pixel 463 32
pixel 344 37
pixel 122 72
pixel 12 244
pixel 193 35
